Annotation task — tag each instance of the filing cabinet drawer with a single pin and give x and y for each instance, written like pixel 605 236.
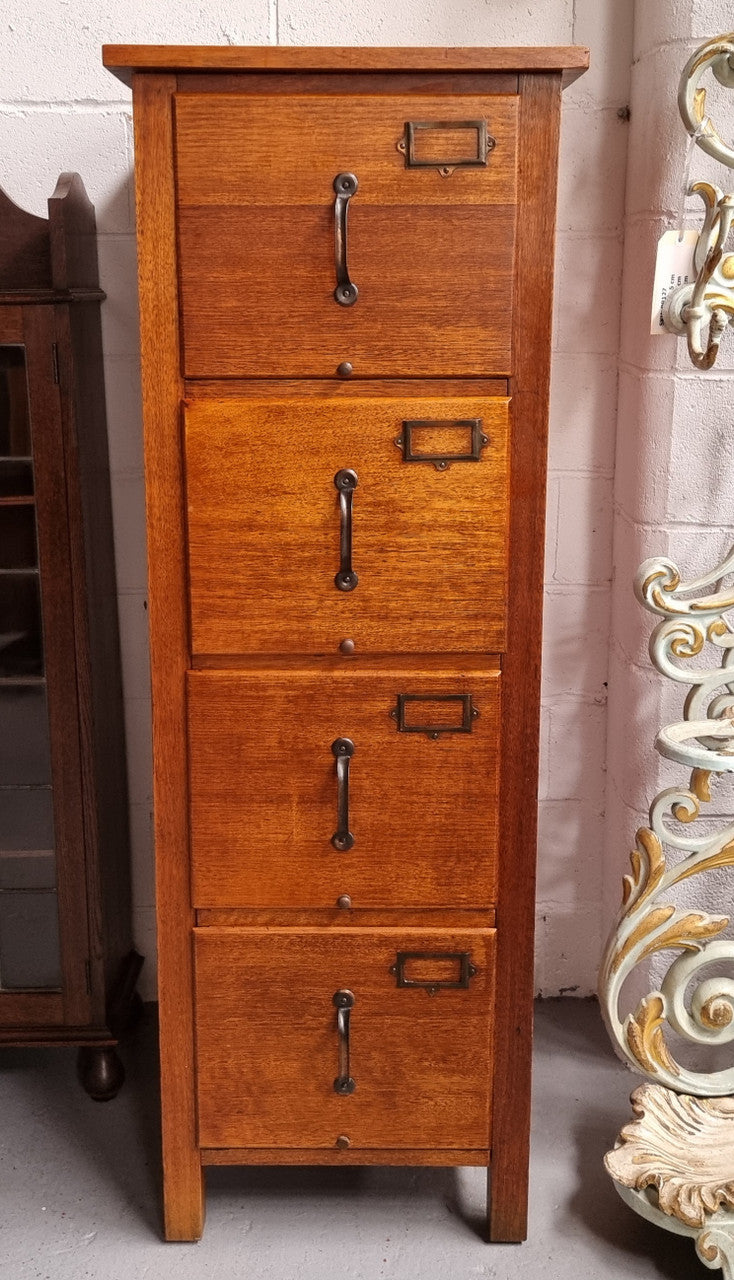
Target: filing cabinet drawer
pixel 425 519
pixel 417 787
pixel 304 1037
pixel 428 242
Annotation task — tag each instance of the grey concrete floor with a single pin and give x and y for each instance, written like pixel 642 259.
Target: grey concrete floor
pixel 79 1187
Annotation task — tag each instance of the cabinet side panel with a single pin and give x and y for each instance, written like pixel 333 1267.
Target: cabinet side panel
pixel 74 265
pixel 96 629
pixel 183 1191
pixel 538 153
pixel 52 523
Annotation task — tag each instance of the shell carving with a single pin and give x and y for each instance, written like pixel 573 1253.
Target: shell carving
pixel 681 1145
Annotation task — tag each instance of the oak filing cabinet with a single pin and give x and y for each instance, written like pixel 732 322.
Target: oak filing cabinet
pixel 346 288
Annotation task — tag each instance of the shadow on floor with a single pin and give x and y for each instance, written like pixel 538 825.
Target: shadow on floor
pixel 120 1139
pixel 595 1202
pixel 374 1185
pixel 608 1218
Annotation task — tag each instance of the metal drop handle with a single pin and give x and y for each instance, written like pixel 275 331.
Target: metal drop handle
pixel 343 749
pixel 346 482
pixel 344 1002
pixel 345 186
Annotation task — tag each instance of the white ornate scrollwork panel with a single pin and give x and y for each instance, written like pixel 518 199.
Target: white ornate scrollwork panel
pixel 691 1001
pixel 703 309
pixel 674 1164
pixel 695 625
pixel 693 645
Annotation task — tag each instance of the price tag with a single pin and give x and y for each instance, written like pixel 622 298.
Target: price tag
pixel 673 267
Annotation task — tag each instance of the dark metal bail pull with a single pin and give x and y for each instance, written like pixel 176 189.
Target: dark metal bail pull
pixel 345 186
pixel 344 1002
pixel 346 482
pixel 343 749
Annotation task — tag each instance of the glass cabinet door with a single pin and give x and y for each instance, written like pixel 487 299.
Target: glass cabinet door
pixel 29 924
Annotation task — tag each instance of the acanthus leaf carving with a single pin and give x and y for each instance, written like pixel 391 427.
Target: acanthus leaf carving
pixel 648 867
pixel 655 919
pixel 686 931
pixel 645 1038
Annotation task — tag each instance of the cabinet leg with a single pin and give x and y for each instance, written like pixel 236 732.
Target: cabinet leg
pixel 184 1204
pixel 507 1217
pixel 100 1072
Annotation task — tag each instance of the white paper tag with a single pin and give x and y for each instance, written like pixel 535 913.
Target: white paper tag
pixel 673 267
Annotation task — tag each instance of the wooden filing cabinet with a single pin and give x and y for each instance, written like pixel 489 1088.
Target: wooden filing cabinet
pixel 346 285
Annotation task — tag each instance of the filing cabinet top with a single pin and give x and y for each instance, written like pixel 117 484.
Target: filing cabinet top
pixel 124 59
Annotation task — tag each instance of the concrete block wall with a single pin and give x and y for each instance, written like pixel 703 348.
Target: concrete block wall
pixel 60 110
pixel 589 248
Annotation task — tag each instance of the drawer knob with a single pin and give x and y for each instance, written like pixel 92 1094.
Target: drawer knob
pixel 343 750
pixel 346 482
pixel 343 1142
pixel 345 186
pixel 344 1003
pixel 347 646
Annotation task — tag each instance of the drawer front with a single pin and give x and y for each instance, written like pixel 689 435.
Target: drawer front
pixel 272 1056
pixel 265 787
pixel 431 255
pixel 266 520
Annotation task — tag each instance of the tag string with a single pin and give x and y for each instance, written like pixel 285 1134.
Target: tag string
pixel 692 142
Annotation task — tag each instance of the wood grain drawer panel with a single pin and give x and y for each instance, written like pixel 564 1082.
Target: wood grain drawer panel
pixel 432 256
pixel 263 789
pixel 429 546
pixel 336 389
pixel 347 918
pixel 267 1042
pixel 338 1155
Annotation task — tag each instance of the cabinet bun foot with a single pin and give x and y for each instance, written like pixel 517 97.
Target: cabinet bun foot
pixel 101 1073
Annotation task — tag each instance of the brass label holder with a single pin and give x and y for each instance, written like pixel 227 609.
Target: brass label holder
pixel 468 713
pixel 465 972
pixel 409 143
pixel 442 461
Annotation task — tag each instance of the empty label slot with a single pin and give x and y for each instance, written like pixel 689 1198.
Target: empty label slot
pixel 447 142
pixel 434 714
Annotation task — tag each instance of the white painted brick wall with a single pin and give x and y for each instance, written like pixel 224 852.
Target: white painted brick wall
pixel 430 22
pixel 60 110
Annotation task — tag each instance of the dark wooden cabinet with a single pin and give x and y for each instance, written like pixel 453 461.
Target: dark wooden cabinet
pixel 67 966
pixel 346 282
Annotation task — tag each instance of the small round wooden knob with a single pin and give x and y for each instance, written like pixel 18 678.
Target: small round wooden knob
pixel 343 1142
pixel 345 369
pixel 344 902
pixel 347 646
